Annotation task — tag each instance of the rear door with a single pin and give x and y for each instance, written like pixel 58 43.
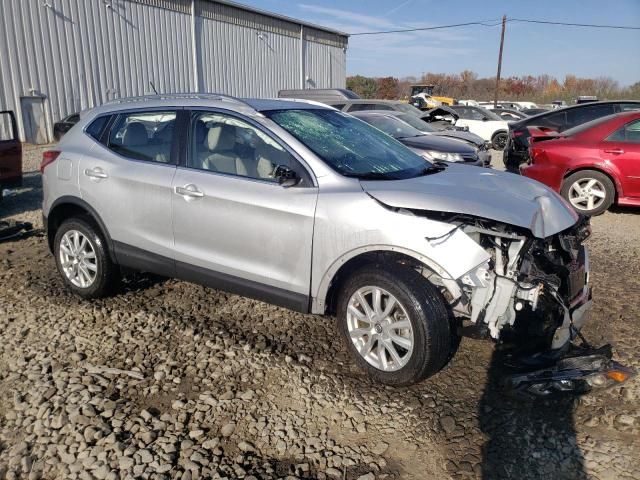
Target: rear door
pixel 622 148
pixel 127 179
pixel 235 227
pixel 10 152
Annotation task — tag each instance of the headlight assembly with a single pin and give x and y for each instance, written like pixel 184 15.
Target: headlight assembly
pixel 435 155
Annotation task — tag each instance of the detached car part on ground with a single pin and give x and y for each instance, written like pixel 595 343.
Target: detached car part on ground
pixel 593 165
pixel 309 208
pixel 477 120
pixel 431 147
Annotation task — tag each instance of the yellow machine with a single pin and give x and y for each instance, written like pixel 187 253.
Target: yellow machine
pixel 423 94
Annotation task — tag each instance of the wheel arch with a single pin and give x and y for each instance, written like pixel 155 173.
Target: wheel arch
pixel 594 168
pixel 497 132
pixel 69 207
pixel 324 302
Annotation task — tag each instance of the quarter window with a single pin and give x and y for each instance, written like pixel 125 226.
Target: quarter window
pixel 143 136
pixel 96 127
pixel 225 144
pixel 630 133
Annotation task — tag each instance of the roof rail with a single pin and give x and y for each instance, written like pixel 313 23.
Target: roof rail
pixel 174 96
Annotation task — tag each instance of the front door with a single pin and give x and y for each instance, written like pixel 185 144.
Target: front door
pixel 10 152
pixel 127 180
pixel 235 227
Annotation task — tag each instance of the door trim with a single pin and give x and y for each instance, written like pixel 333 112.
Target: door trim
pixel 139 259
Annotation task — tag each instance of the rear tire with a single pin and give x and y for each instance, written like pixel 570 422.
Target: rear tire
pixel 589 192
pixel 499 140
pixel 82 259
pixel 408 335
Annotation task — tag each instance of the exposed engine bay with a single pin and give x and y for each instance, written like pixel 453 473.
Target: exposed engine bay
pixel 533 296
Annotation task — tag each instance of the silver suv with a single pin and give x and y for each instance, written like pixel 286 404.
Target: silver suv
pixel 303 206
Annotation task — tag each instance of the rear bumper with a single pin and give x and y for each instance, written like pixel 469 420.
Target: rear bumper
pixel 546 174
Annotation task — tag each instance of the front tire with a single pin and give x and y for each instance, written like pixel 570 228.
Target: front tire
pixel 589 192
pixel 395 324
pixel 83 260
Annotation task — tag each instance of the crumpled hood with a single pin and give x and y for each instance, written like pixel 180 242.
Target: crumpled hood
pixel 499 196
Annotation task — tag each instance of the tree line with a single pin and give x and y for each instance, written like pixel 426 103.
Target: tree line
pixel 467 85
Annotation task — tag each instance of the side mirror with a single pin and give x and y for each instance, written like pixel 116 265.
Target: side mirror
pixel 484 119
pixel 285 176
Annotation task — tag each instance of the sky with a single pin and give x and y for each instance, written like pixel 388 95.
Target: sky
pixel 530 49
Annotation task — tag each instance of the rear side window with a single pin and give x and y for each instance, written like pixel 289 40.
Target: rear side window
pixel 96 127
pixel 143 136
pixel 630 133
pixel 578 116
pixel 6 127
pixel 338 106
pixel 625 107
pixel 557 121
pixel 358 107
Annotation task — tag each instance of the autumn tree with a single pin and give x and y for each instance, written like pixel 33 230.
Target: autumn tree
pixel 365 87
pixel 387 88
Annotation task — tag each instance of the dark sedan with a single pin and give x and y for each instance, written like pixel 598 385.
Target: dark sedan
pixel 431 147
pixel 64 125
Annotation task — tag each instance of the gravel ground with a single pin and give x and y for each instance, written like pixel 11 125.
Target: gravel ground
pixel 172 380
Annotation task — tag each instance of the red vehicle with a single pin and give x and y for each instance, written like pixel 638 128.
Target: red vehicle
pixel 593 165
pixel 10 152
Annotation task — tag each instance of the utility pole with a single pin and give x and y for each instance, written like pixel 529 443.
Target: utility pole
pixel 495 99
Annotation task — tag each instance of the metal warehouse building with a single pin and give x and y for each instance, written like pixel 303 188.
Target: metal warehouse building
pixel 58 57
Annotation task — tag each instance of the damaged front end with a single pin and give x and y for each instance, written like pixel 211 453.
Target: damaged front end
pixel 533 296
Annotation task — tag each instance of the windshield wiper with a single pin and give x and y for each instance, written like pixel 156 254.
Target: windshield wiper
pixel 434 168
pixel 371 176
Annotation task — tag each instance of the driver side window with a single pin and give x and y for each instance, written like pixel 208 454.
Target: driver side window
pixel 226 144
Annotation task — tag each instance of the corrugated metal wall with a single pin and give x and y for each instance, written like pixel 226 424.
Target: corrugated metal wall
pixel 81 53
pixel 69 55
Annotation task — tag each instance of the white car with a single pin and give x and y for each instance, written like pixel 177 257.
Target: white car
pixel 478 120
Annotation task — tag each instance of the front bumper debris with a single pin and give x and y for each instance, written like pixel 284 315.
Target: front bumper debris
pixel 580 370
pixel 10 229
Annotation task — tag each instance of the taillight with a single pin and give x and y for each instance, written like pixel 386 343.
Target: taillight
pixel 516 133
pixel 48 157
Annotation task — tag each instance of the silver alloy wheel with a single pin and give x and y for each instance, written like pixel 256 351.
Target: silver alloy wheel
pixel 379 328
pixel 78 259
pixel 587 194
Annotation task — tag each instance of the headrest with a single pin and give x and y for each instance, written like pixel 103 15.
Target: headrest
pixel 221 137
pixel 200 132
pixel 135 135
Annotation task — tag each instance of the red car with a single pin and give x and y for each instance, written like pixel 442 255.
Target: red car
pixel 10 152
pixel 593 165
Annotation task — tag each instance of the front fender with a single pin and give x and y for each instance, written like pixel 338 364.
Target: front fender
pixel 350 224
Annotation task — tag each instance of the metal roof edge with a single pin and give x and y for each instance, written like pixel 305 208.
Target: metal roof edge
pixel 281 17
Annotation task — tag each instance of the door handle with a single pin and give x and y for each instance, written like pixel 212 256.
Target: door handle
pixel 615 151
pixel 189 191
pixel 96 173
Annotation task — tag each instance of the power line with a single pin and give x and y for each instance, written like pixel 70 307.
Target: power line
pixel 590 25
pixel 420 29
pixel 492 23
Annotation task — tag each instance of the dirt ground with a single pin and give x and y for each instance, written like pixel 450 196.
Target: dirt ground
pixel 172 380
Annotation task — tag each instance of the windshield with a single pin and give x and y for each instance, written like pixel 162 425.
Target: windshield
pixel 586 126
pixel 416 122
pixel 349 145
pixel 475 113
pixel 408 108
pixel 392 126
